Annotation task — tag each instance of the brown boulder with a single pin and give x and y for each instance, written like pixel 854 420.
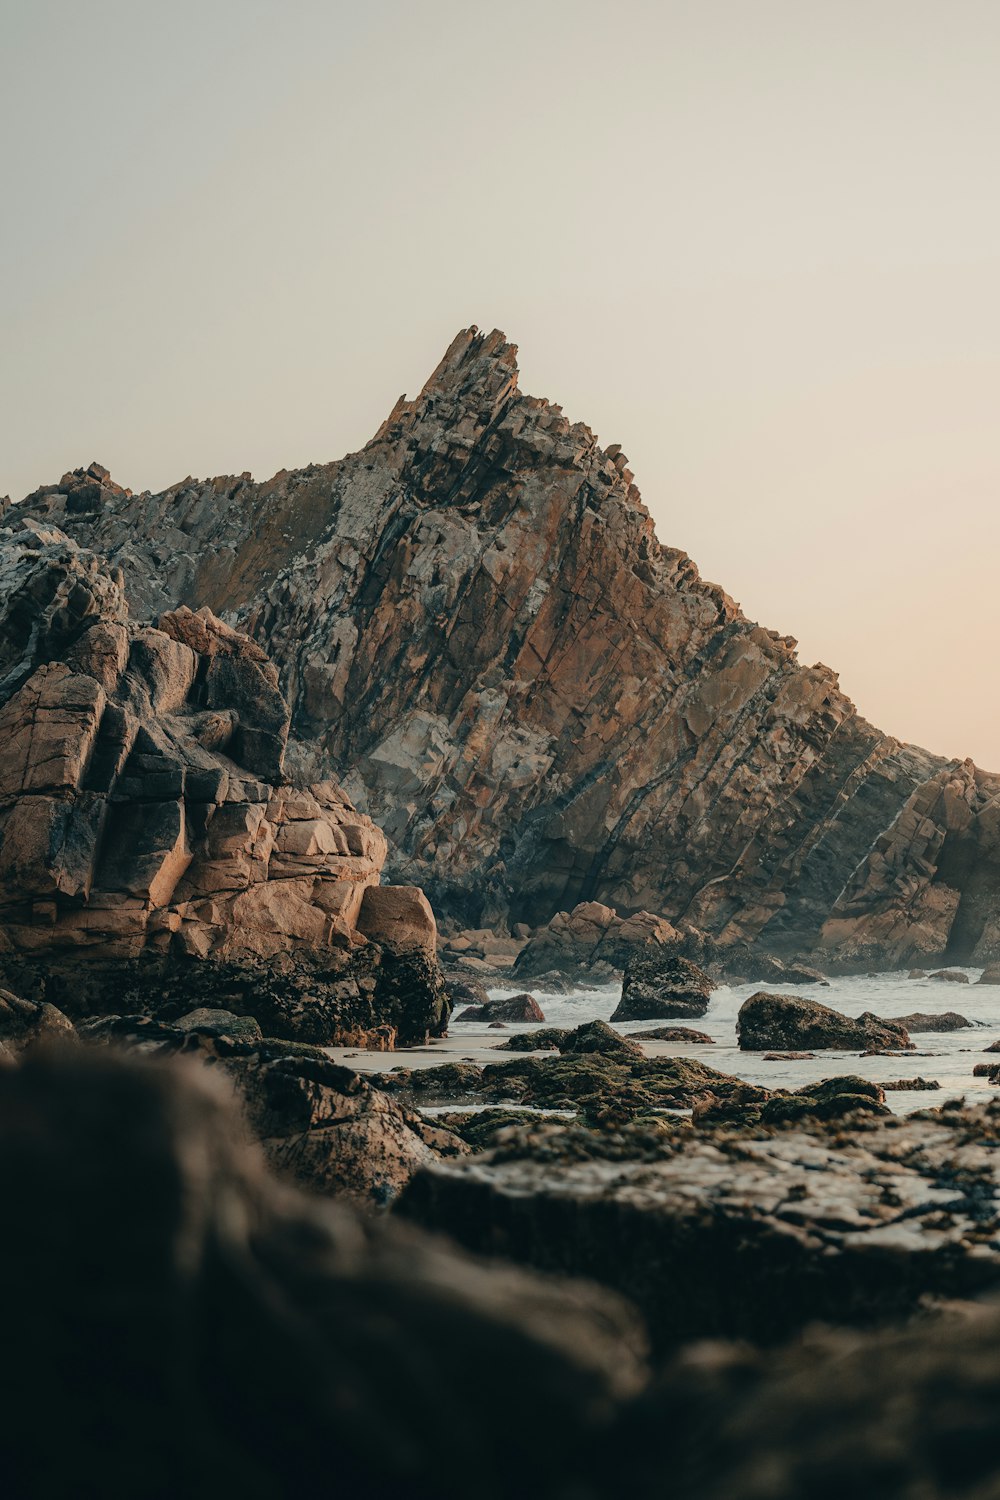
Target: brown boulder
pixel 592 937
pixel 142 798
pixel 950 976
pixel 398 914
pixel 512 1008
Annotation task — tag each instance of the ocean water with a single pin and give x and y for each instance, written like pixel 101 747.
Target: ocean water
pixel 948 1057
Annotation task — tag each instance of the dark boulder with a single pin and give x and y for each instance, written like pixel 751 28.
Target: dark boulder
pixel 659 985
pixel 198 1330
pixel 788 1023
pixel 672 1034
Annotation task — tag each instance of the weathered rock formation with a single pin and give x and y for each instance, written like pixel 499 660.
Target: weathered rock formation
pixel 660 985
pixel 319 1125
pixel 248 1340
pixel 591 941
pixel 512 1008
pixel 143 804
pixel 946 1020
pixel 543 705
pixel 788 1023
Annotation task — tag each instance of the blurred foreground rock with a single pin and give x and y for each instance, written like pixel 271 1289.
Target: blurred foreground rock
pixel 178 1324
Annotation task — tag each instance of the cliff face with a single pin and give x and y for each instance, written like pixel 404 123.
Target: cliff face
pixel 541 704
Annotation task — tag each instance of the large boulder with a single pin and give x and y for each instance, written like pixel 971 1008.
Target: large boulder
pixel 790 1023
pixel 30 1023
pixel 372 996
pixel 810 1215
pixel 399 915
pixel 660 985
pixel 742 961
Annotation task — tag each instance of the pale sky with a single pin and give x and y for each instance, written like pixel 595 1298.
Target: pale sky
pixel 757 242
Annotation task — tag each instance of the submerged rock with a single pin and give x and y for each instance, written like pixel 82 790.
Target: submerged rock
pixel 790 1023
pixel 672 1034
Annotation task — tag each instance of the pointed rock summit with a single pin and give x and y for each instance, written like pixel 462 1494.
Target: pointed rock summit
pixel 477 628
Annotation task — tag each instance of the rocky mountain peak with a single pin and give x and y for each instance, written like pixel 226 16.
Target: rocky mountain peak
pixel 475 623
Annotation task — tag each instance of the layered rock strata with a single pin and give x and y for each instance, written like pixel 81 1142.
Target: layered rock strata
pixel 542 704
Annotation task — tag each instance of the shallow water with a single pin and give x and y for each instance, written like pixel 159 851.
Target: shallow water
pixel 953 1053
pixel 948 1056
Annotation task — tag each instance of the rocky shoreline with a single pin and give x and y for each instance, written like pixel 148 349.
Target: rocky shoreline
pixel 298 1176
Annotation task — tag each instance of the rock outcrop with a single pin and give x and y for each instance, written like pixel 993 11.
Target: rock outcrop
pixel 143 805
pixel 591 942
pixel 543 705
pixel 789 1023
pixel 660 985
pixel 521 1007
pixel 946 1020
pixel 245 1338
pixel 319 1125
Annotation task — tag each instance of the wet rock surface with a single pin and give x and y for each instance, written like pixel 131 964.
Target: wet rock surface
pixel 946 1020
pixel 512 1008
pixel 373 996
pixel 790 1023
pixel 319 1125
pixel 746 1234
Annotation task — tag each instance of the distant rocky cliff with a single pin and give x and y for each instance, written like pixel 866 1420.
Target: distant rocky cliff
pixel 541 704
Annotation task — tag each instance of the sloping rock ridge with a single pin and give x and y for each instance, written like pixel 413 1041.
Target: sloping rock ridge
pixel 541 704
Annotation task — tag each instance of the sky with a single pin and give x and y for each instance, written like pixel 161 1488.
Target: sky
pixel 756 242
